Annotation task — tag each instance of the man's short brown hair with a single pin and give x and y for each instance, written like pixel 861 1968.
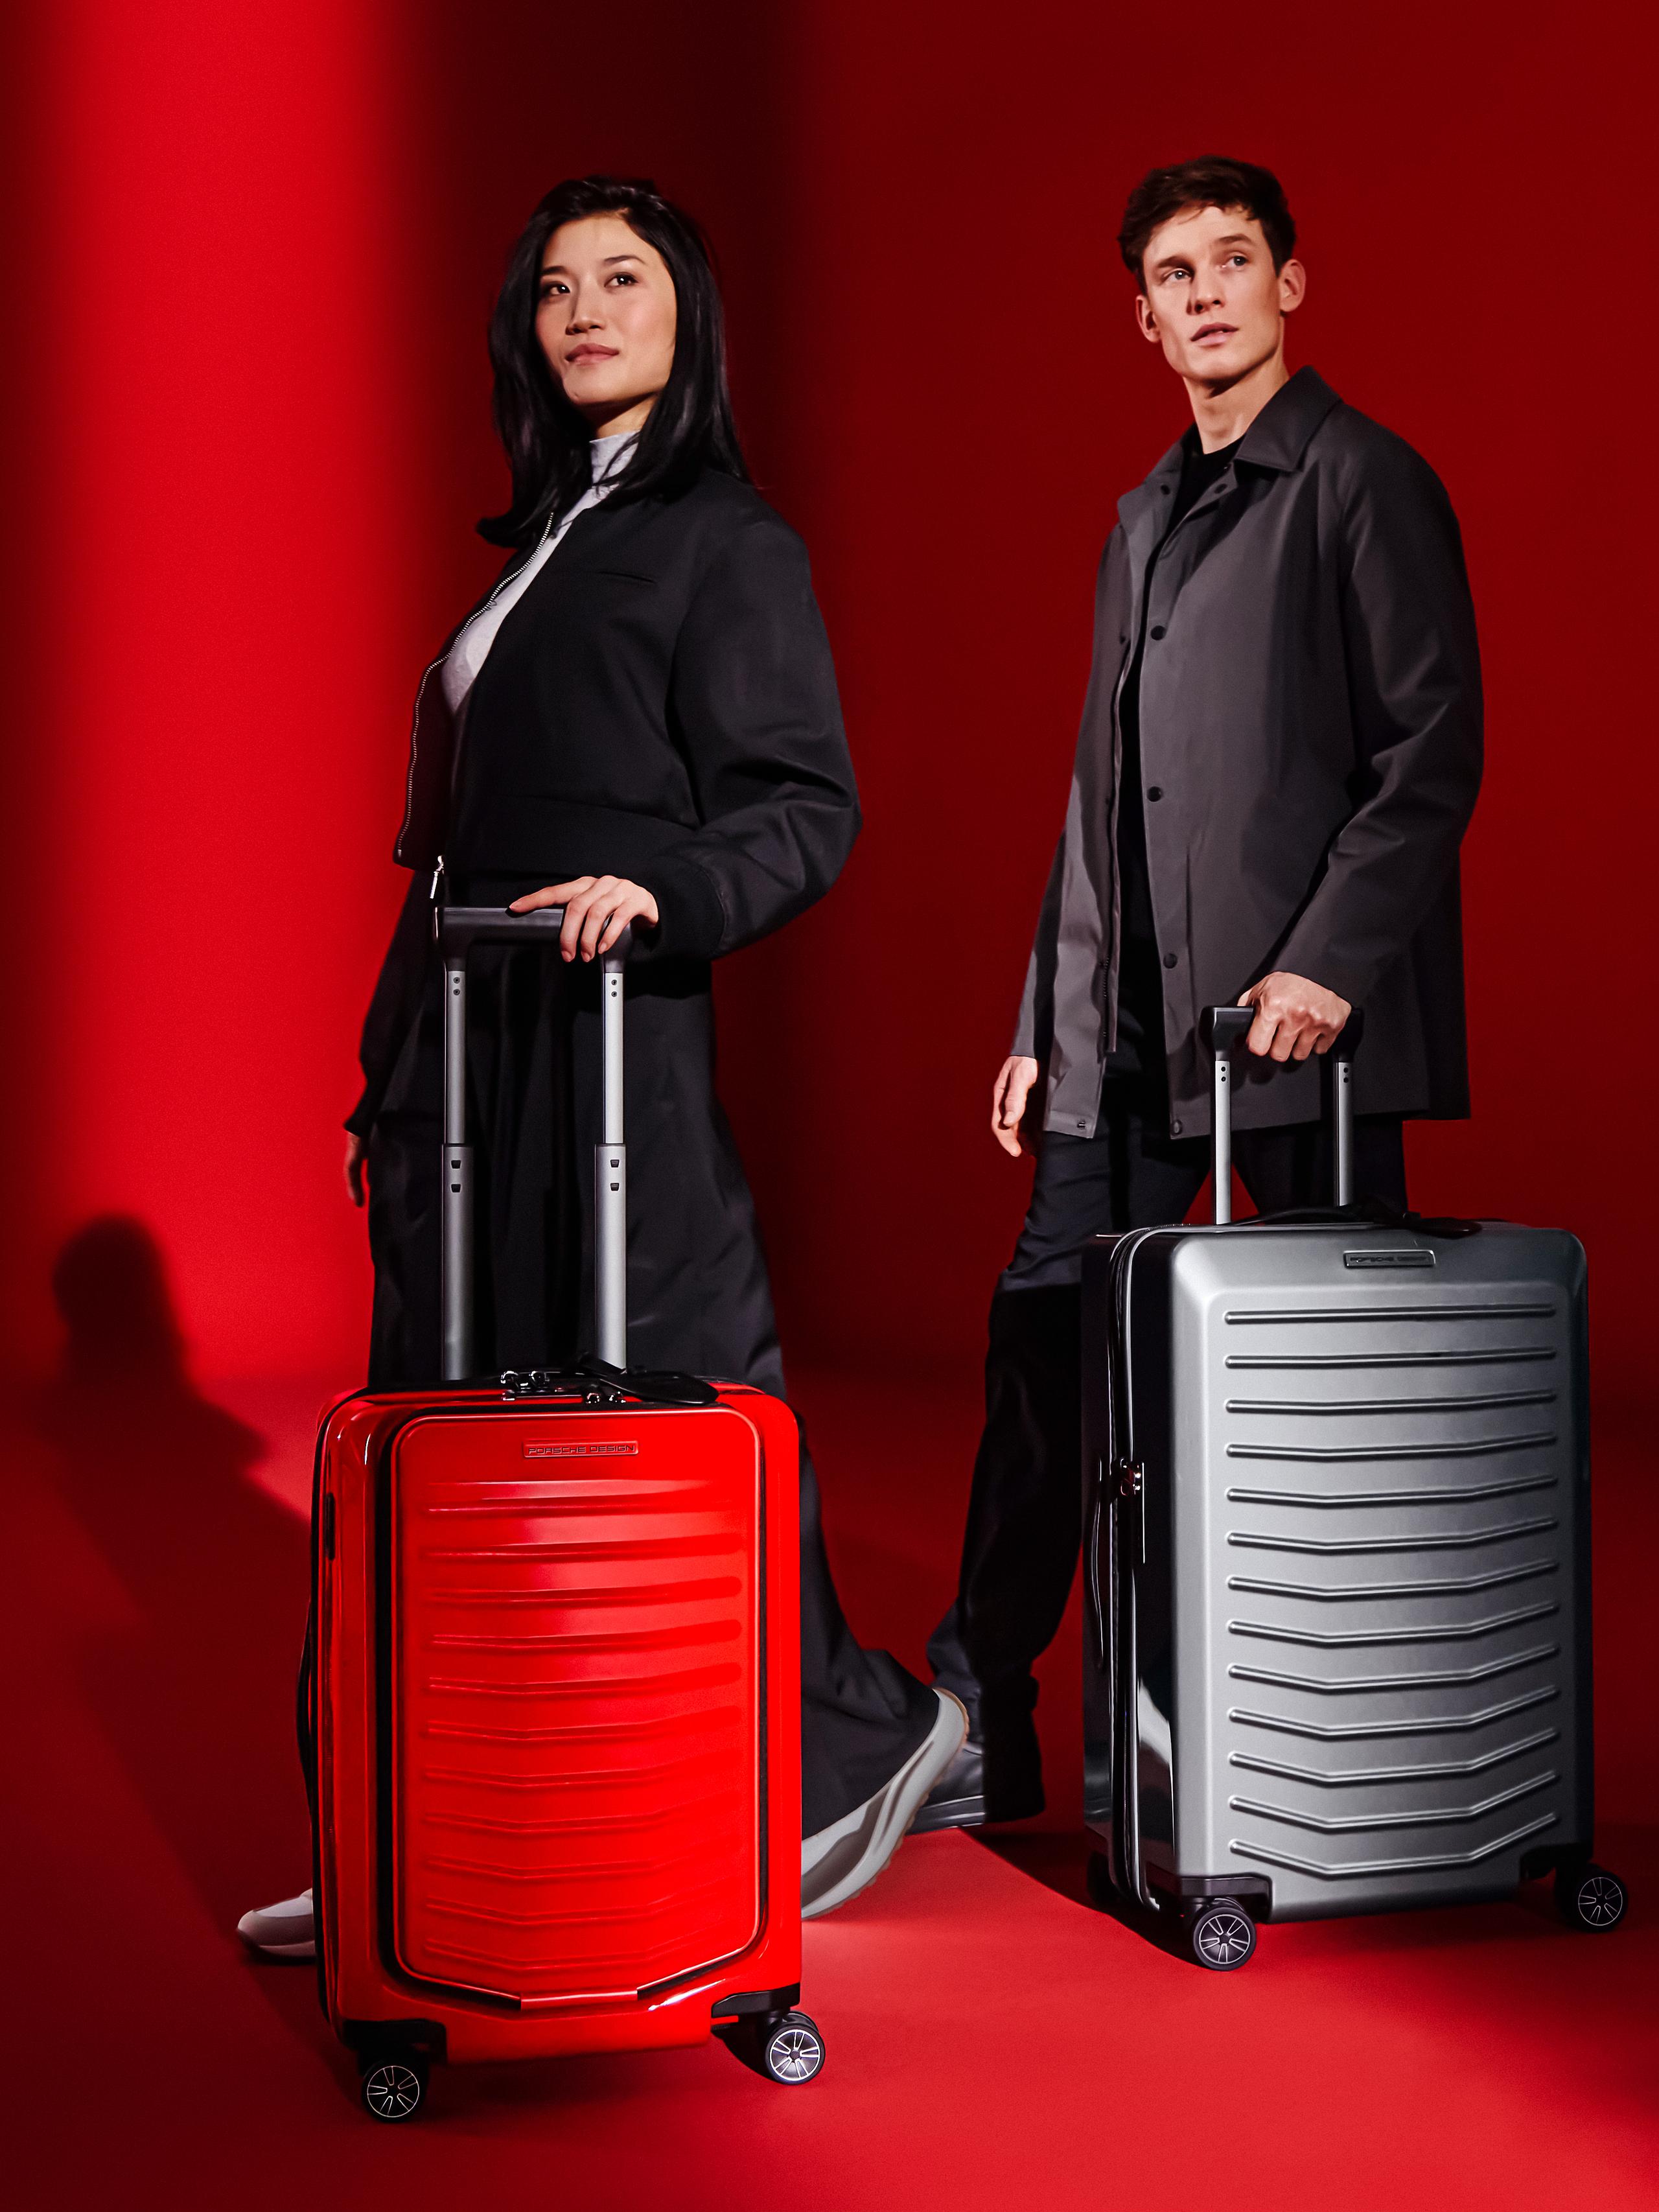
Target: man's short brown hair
pixel 1211 181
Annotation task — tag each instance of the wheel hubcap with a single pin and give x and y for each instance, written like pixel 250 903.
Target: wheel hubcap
pixel 1599 1901
pixel 392 2091
pixel 1224 1938
pixel 796 2056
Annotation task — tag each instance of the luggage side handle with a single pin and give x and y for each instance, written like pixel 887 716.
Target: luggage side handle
pixel 1222 1030
pixel 458 929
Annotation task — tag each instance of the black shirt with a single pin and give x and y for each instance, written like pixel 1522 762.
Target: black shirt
pixel 1140 985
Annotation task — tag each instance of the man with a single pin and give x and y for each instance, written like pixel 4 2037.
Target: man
pixel 1279 751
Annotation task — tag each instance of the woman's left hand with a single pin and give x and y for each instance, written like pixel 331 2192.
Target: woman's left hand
pixel 596 910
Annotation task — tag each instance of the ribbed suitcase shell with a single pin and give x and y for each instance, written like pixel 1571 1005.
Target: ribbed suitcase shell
pixel 1338 1647
pixel 558 1693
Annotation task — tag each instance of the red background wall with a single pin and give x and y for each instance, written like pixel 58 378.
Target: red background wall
pixel 247 438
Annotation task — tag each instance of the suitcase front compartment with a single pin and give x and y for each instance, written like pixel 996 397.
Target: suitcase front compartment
pixel 574 1678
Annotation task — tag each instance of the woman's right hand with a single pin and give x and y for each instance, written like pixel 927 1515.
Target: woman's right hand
pixel 596 910
pixel 1008 1096
pixel 357 1154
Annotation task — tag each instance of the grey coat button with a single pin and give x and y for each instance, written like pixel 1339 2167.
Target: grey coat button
pixel 1157 792
pixel 1169 959
pixel 1157 630
pixel 1174 1128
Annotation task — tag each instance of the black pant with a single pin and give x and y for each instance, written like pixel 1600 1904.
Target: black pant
pixel 1025 1514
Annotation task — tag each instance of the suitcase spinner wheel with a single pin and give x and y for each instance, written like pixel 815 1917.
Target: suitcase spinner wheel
pixel 786 2048
pixel 393 2088
pixel 1220 1934
pixel 792 2052
pixel 1590 1899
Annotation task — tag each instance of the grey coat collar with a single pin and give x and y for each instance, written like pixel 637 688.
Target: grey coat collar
pixel 1278 436
pixel 1277 439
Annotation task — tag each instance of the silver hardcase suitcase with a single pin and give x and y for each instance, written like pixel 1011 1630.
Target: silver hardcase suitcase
pixel 1337 1645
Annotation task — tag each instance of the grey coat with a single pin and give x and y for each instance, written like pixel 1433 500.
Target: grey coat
pixel 1310 745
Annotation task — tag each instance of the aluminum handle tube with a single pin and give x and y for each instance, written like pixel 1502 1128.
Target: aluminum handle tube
pixel 1221 1141
pixel 455 1183
pixel 1342 1097
pixel 611 1177
pixel 457 928
pixel 611 1128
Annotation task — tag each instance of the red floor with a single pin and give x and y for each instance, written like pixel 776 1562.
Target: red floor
pixel 993 2042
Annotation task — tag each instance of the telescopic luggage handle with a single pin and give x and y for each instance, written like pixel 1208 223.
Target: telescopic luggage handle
pixel 458 929
pixel 1222 1030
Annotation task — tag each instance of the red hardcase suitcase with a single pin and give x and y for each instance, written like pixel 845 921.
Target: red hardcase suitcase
pixel 557 1688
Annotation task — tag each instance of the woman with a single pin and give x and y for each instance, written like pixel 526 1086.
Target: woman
pixel 639 724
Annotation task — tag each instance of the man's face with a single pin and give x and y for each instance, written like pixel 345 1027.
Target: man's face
pixel 1212 297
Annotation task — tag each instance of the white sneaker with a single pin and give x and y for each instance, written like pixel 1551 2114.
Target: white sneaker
pixel 281 1931
pixel 846 1857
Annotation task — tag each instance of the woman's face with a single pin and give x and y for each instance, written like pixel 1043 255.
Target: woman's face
pixel 605 316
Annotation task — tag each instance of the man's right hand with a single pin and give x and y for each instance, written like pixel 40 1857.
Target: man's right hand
pixel 1008 1096
pixel 356 1153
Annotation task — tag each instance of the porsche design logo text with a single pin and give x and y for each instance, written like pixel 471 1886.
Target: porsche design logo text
pixel 622 1450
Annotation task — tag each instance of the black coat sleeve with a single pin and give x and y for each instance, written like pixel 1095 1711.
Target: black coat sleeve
pixel 1414 682
pixel 754 706
pixel 396 1006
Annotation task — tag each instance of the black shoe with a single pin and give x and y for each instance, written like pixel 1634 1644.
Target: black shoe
pixel 958 1798
pixel 998 1777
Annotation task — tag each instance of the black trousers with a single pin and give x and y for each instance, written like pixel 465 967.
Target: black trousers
pixel 699 1298
pixel 1024 1513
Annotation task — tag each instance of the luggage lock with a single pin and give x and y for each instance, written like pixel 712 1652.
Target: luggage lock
pixel 1126 1484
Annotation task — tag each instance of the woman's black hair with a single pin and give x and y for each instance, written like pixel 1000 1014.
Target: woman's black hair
pixel 690 429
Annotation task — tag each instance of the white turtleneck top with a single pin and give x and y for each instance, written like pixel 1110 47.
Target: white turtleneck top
pixel 471 648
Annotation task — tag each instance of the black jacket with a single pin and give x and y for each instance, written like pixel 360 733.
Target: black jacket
pixel 1310 723
pixel 661 704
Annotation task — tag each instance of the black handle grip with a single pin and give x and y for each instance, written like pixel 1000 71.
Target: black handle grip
pixel 458 928
pixel 1224 1029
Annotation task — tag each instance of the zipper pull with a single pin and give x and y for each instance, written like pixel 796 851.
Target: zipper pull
pixel 437 878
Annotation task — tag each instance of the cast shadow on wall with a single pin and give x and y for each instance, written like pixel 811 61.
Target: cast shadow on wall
pixel 197 1698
